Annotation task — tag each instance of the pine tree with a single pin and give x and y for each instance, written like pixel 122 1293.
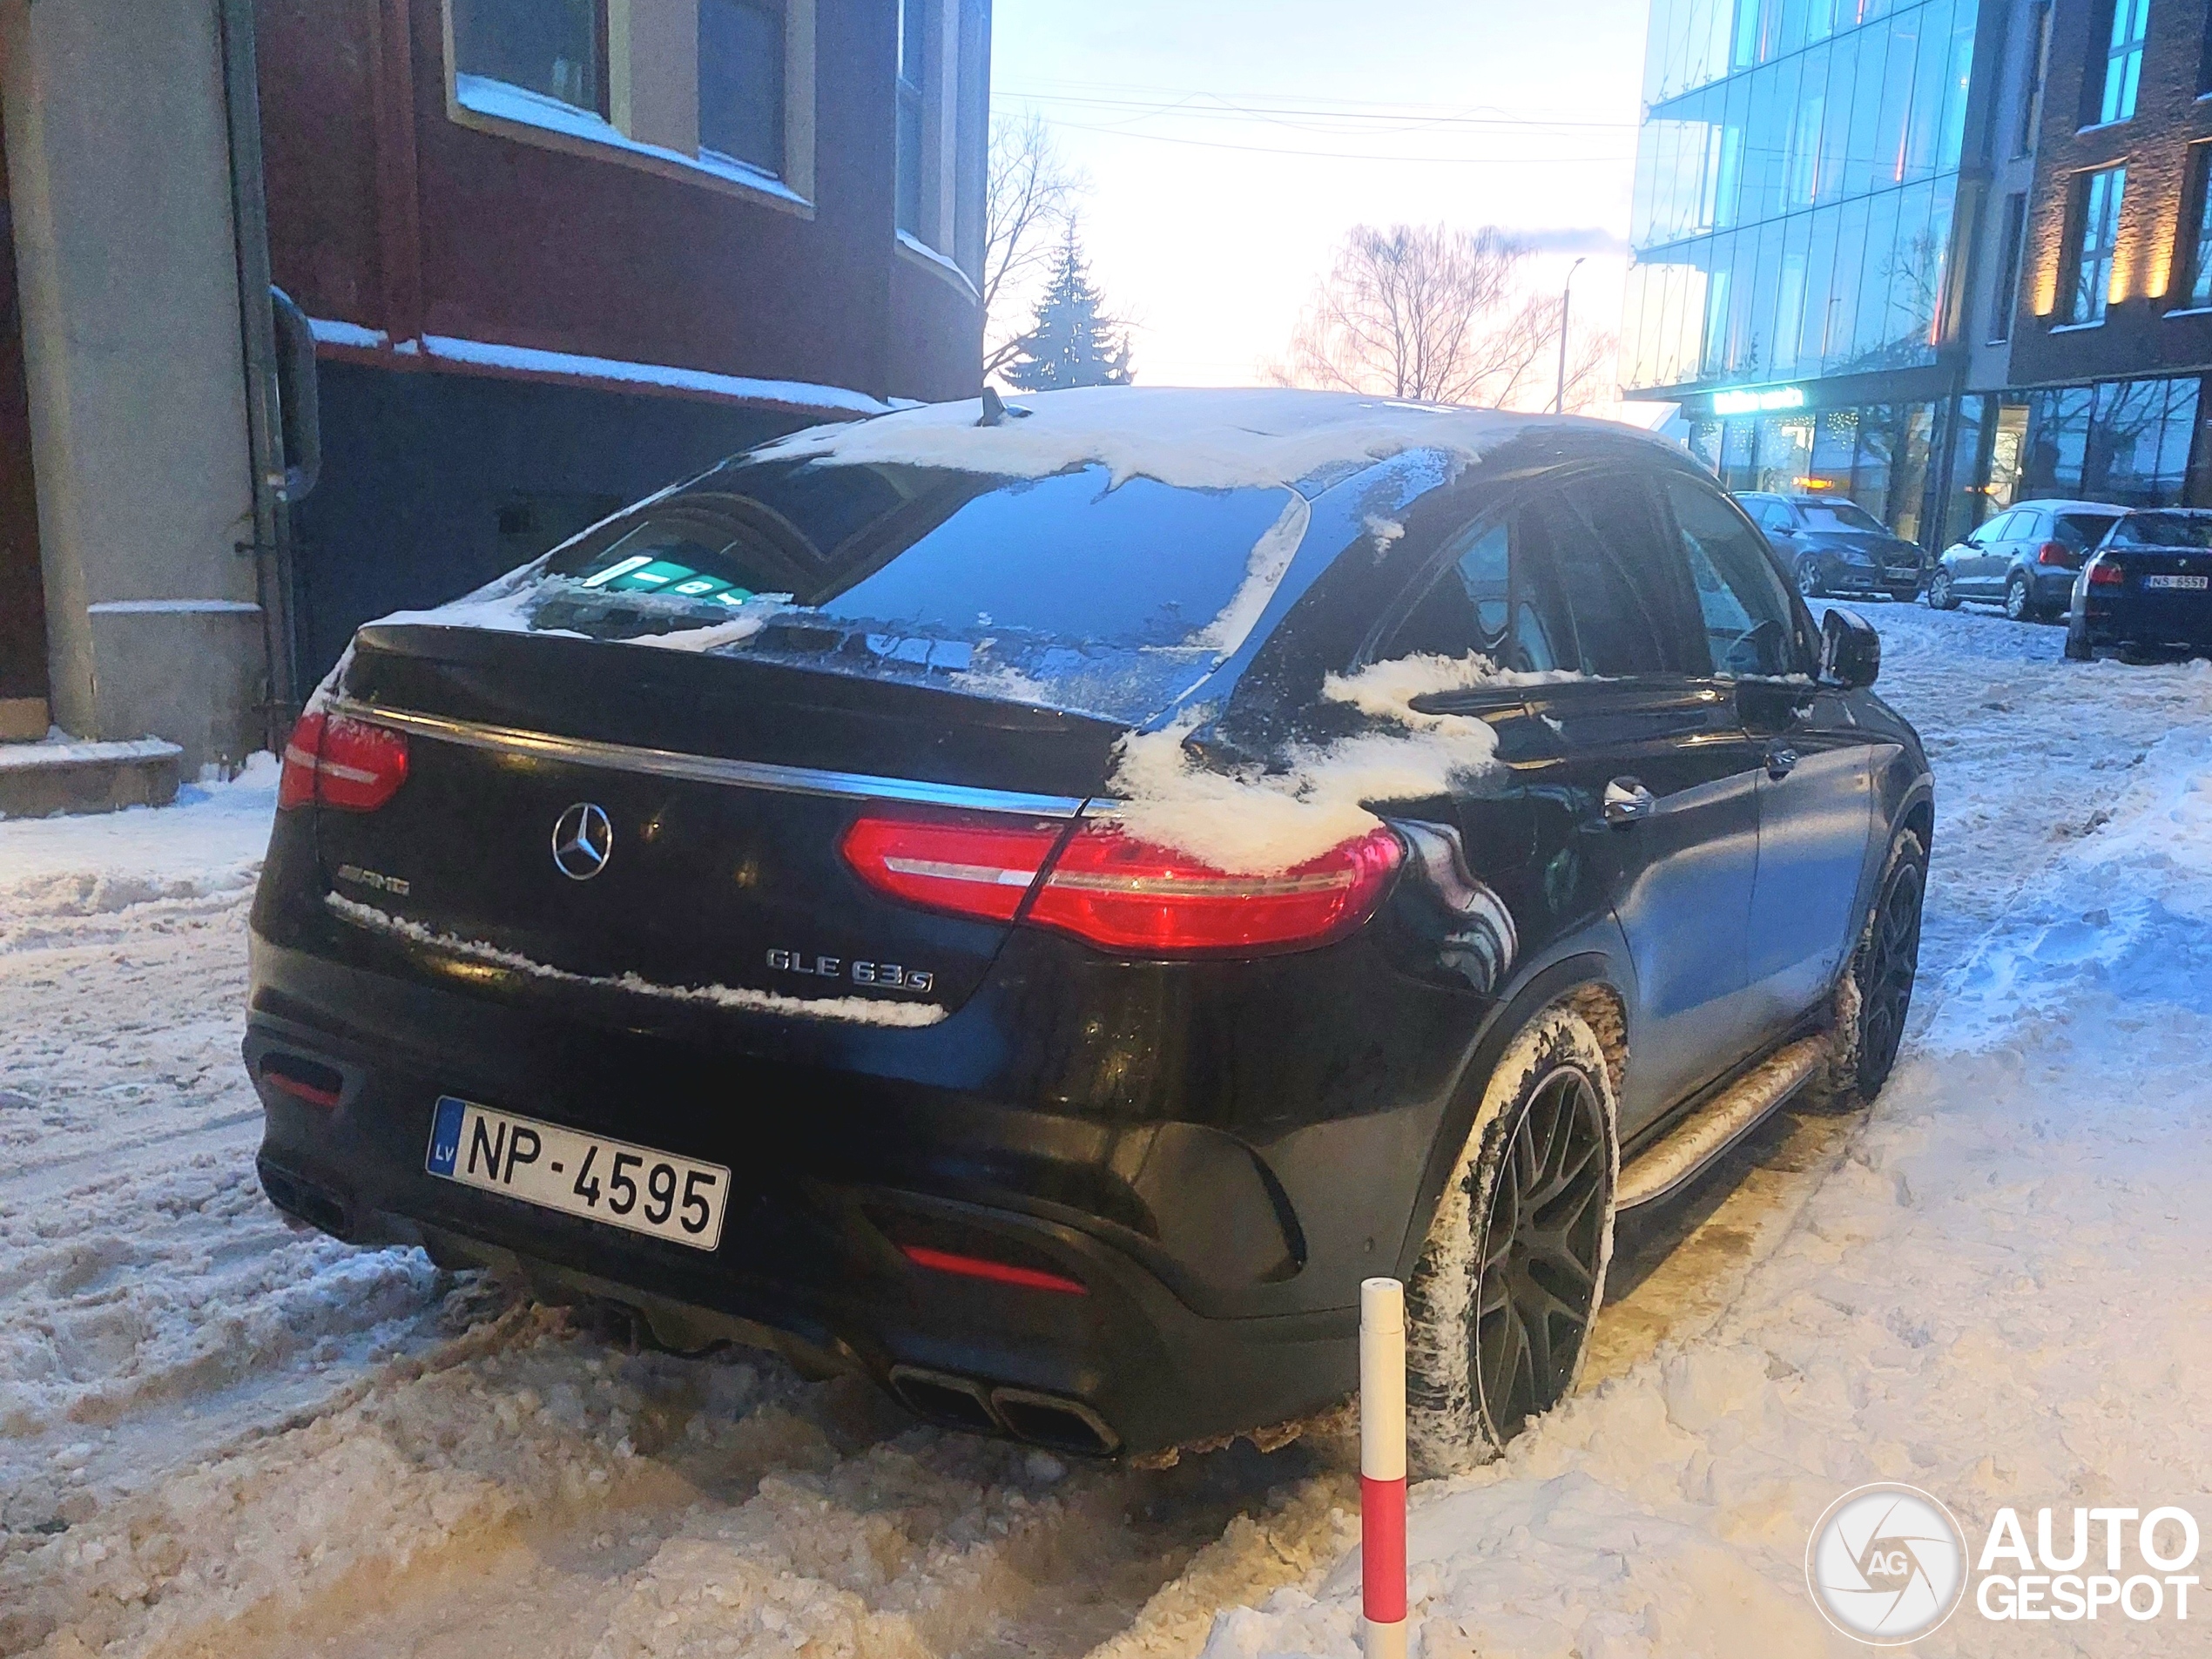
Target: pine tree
pixel 1070 341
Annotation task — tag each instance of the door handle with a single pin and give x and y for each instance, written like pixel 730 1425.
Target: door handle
pixel 1627 800
pixel 1780 763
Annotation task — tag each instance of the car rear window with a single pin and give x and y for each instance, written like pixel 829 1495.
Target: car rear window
pixel 2163 529
pixel 2080 532
pixel 1838 516
pixel 1071 581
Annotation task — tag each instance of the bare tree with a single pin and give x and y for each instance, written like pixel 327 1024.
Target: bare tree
pixel 1440 315
pixel 1031 194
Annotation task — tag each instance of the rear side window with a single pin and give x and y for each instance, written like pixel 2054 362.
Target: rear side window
pixel 1493 600
pixel 1609 548
pixel 1741 601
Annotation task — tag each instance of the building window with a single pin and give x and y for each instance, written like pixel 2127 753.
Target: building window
pixel 2123 64
pixel 2192 289
pixel 2008 271
pixel 2097 200
pixel 711 91
pixel 554 48
pixel 2039 67
pixel 943 128
pixel 2124 441
pixel 914 61
pixel 741 81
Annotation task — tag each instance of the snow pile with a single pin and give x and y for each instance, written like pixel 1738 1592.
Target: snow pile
pixel 210 841
pixel 1197 440
pixel 1995 1296
pixel 1261 822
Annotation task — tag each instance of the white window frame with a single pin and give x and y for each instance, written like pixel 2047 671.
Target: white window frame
pixel 652 122
pixel 955 130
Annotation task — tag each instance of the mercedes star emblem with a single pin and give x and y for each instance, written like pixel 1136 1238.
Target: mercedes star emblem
pixel 583 841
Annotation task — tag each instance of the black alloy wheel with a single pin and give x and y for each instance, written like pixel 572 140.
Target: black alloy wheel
pixel 1811 583
pixel 1891 964
pixel 1941 594
pixel 1542 1242
pixel 2019 603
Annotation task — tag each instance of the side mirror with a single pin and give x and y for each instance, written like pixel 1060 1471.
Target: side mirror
pixel 1851 652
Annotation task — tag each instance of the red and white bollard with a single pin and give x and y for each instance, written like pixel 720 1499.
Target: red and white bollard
pixel 1382 1466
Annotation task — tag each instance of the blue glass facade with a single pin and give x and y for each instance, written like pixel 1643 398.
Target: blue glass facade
pixel 1797 183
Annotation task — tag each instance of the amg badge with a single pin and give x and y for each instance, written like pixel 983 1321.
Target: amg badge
pixel 885 976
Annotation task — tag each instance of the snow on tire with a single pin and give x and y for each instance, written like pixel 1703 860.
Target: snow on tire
pixel 1846 1080
pixel 1498 1309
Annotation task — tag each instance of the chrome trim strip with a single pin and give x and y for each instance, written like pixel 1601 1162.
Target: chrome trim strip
pixel 705 769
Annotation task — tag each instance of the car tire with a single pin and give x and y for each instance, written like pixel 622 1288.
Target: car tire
pixel 1499 1306
pixel 1810 583
pixel 1875 993
pixel 2078 648
pixel 2020 599
pixel 1904 596
pixel 1941 594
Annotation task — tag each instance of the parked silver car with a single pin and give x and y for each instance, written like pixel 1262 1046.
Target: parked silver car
pixel 2025 558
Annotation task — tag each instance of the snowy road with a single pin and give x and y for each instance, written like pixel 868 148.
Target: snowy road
pixel 218 1435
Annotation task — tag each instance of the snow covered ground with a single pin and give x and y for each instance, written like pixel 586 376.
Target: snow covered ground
pixel 218 1435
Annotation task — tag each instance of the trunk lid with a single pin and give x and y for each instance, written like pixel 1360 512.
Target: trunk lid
pixel 726 787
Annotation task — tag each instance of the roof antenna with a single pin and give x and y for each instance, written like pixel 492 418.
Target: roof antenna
pixel 996 409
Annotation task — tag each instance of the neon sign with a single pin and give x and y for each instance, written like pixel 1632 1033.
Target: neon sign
pixel 1782 397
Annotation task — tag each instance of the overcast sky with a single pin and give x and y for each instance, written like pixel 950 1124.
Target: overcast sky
pixel 1230 144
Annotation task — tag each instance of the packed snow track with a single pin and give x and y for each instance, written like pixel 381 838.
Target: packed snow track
pixel 221 1436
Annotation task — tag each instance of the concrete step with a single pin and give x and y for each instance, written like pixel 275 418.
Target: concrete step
pixel 40 778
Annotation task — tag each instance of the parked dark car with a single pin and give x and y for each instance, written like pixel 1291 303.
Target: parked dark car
pixel 2026 558
pixel 1832 545
pixel 2147 587
pixel 788 971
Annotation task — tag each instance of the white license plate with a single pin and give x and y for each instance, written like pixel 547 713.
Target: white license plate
pixel 2184 584
pixel 635 1187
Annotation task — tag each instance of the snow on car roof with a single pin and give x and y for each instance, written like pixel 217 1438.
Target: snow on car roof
pixel 1189 437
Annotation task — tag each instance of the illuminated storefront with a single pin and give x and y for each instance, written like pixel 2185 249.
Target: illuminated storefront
pixel 1796 226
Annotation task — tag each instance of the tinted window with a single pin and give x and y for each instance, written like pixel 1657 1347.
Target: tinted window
pixel 1623 580
pixel 1493 600
pixel 1744 606
pixel 1066 592
pixel 551 47
pixel 2080 531
pixel 2163 529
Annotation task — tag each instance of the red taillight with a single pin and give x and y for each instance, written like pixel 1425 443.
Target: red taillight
pixel 296 784
pixel 2103 574
pixel 1113 891
pixel 1029 1278
pixel 971 867
pixel 2059 554
pixel 345 764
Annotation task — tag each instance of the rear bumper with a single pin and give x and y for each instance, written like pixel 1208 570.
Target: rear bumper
pixel 2134 619
pixel 1221 1263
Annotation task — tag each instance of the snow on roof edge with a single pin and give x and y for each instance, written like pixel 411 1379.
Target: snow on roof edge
pixel 1201 438
pixel 452 351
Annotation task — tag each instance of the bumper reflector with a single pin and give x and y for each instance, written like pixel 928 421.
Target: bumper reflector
pixel 1029 1278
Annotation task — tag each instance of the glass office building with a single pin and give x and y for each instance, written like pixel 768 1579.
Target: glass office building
pixel 1798 186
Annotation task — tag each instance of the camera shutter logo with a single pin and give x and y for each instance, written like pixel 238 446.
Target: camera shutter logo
pixel 582 841
pixel 1886 1564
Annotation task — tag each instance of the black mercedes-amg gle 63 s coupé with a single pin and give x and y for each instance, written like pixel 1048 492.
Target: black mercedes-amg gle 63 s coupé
pixel 1034 904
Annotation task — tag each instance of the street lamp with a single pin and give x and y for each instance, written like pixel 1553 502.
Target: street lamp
pixel 1565 300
